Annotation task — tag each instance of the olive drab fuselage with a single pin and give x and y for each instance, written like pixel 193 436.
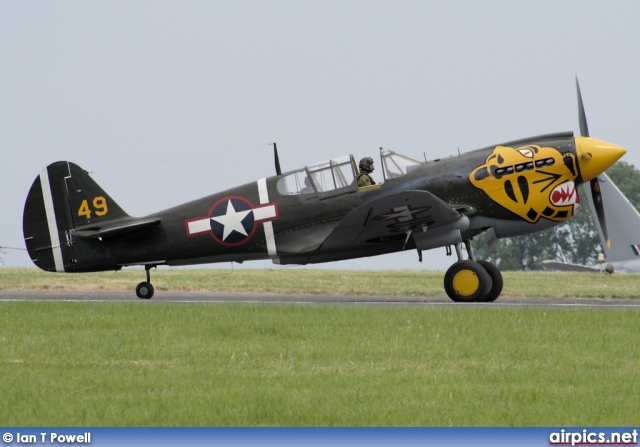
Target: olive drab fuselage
pixel 518 187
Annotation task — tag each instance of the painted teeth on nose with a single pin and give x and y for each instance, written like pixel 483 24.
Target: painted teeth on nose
pixel 564 194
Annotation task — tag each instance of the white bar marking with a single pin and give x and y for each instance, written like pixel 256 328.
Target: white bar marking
pixel 199 226
pixel 51 220
pixel 264 213
pixel 268 226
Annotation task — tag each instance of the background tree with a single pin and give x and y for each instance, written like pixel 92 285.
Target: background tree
pixel 575 241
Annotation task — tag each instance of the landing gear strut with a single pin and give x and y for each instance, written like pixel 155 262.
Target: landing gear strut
pixel 145 289
pixel 470 280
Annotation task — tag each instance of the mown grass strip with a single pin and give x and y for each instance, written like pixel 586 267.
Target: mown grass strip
pixel 329 282
pixel 131 364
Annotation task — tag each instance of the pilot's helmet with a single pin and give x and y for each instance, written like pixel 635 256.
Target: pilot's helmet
pixel 366 164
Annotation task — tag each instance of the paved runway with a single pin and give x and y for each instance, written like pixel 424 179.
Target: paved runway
pixel 265 298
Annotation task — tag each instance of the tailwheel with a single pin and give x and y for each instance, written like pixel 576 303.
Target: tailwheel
pixel 467 281
pixel 496 278
pixel 145 290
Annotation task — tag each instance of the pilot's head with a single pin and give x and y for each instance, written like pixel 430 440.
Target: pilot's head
pixel 366 164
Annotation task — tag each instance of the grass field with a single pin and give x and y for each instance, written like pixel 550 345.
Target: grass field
pixel 312 281
pixel 131 364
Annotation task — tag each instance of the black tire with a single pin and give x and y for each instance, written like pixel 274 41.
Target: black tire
pixel 497 282
pixel 144 290
pixel 466 281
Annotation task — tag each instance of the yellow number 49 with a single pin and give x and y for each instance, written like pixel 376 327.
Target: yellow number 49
pixel 84 209
pixel 99 205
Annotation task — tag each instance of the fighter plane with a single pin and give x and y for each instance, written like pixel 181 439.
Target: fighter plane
pixel 318 213
pixel 620 237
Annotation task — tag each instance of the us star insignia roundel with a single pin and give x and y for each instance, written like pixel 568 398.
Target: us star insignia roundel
pixel 232 220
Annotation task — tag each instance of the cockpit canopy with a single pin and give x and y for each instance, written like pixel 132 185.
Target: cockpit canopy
pixel 396 165
pixel 339 175
pixel 325 179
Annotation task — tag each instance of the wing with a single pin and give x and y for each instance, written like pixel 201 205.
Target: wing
pixel 428 220
pixel 567 267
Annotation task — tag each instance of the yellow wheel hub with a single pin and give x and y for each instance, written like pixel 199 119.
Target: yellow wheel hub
pixel 466 282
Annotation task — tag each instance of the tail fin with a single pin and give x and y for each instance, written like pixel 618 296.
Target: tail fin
pixel 63 199
pixel 623 225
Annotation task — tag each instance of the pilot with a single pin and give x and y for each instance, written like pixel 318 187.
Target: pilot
pixel 366 168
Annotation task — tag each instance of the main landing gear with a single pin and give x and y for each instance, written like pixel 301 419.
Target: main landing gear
pixel 471 280
pixel 145 290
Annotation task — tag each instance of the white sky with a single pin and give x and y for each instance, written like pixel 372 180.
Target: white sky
pixel 130 89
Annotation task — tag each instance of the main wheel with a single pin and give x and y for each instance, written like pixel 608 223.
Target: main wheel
pixel 496 279
pixel 466 281
pixel 144 290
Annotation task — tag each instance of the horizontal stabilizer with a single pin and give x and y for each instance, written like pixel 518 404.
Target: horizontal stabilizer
pixel 115 227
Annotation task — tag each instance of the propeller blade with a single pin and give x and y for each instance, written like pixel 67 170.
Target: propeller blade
pixel 594 184
pixel 597 204
pixel 582 117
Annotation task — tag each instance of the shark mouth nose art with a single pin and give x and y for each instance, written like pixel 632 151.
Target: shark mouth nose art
pixel 564 194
